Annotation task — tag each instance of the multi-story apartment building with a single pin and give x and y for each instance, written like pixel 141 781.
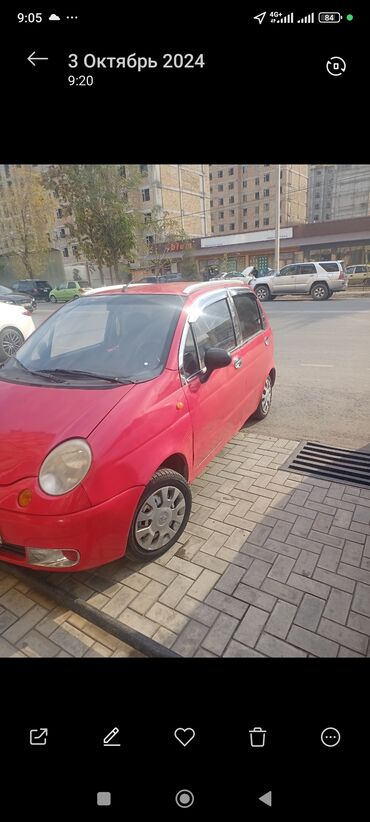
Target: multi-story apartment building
pixel 338 192
pixel 181 191
pixel 243 197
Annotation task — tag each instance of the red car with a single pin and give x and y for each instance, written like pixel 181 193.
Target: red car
pixel 112 407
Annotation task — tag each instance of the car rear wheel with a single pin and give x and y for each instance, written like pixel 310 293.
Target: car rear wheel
pixel 10 340
pixel 161 516
pixel 265 401
pixel 263 293
pixel 320 291
pixel 52 299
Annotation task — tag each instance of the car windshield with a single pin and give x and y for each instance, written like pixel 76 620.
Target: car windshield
pixel 123 336
pixel 5 290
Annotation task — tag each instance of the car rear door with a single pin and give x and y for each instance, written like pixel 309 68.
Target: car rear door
pixel 214 405
pixel 305 277
pixel 255 349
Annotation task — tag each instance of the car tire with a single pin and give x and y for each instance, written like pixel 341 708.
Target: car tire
pixel 34 306
pixel 263 293
pixel 166 486
pixel 320 291
pixel 330 294
pixel 52 299
pixel 265 401
pixel 76 297
pixel 10 340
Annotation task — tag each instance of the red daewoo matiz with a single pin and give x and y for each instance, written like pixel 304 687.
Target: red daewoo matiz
pixel 112 406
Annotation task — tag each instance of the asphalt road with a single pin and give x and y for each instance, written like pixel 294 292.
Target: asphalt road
pixel 322 353
pixel 322 389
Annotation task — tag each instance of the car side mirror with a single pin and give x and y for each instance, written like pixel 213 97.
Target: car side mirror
pixel 214 358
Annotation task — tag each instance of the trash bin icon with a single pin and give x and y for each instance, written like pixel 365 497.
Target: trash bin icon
pixel 257 738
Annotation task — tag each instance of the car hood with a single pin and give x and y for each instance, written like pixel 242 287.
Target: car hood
pixel 34 419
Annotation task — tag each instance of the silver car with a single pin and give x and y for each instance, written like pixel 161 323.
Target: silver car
pixel 319 280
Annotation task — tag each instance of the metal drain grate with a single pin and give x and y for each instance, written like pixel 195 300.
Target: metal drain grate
pixel 336 464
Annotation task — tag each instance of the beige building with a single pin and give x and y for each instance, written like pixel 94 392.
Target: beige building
pixel 243 197
pixel 180 190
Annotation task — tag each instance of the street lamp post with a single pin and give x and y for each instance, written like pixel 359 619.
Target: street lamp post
pixel 277 227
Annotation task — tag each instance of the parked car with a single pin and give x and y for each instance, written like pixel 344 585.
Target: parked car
pixel 246 275
pixel 65 291
pixel 36 288
pixel 319 280
pixel 114 405
pixel 361 270
pixel 7 295
pixel 16 325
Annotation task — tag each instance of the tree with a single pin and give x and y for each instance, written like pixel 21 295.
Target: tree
pixel 28 219
pixel 157 235
pixel 189 268
pixel 97 209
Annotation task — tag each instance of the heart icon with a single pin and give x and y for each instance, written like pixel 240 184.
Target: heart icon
pixel 184 735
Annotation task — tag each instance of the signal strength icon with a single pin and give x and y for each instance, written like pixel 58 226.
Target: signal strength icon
pixel 288 19
pixel 309 19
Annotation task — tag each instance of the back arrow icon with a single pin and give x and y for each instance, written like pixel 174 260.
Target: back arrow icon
pixel 260 17
pixel 32 57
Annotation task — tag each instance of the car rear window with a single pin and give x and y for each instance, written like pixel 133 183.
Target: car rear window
pixel 330 266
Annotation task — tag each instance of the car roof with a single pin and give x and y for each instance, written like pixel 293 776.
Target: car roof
pixel 182 289
pixel 319 262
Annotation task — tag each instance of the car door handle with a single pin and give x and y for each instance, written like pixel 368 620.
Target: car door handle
pixel 237 362
pixel 267 340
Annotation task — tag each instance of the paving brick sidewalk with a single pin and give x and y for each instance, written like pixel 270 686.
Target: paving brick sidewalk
pixel 271 564
pixel 32 625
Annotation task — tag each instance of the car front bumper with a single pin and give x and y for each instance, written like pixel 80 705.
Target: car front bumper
pixel 99 534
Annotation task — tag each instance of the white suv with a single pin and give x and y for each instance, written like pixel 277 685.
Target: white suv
pixel 320 280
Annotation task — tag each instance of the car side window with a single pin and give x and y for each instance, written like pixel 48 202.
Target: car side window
pixel 72 285
pixel 305 269
pixel 288 270
pixel 330 266
pixel 214 329
pixel 248 314
pixel 190 357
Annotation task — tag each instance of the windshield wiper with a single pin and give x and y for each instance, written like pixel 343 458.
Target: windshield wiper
pixel 75 373
pixel 33 373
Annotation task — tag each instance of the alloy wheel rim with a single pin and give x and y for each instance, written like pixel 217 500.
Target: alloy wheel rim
pixel 159 518
pixel 266 396
pixel 11 342
pixel 320 292
pixel 262 293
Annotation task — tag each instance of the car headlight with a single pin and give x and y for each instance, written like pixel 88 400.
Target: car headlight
pixel 65 467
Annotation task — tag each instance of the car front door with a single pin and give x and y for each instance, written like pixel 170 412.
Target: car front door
pixel 214 405
pixel 253 350
pixel 285 281
pixel 305 277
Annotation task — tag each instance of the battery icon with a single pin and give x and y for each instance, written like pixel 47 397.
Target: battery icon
pixel 329 17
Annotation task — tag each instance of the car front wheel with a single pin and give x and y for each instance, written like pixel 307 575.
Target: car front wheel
pixel 265 401
pixel 10 340
pixel 52 299
pixel 263 293
pixel 161 516
pixel 320 291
